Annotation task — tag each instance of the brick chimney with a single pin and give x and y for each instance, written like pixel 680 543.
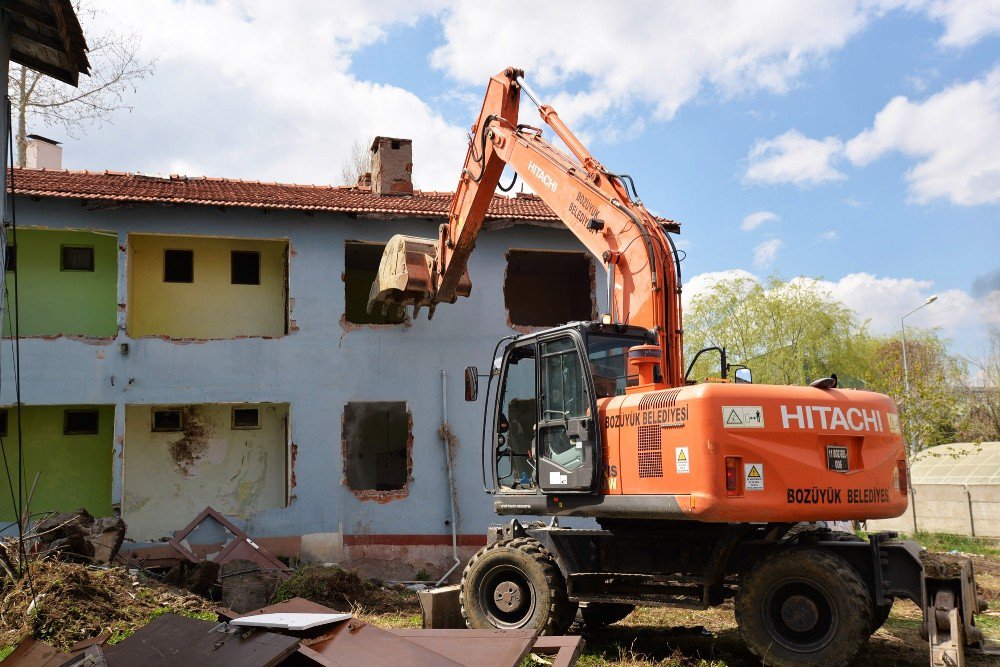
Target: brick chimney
pixel 392 166
pixel 43 153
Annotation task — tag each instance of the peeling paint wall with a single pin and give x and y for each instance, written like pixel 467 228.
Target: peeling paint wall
pixel 171 476
pixel 54 301
pixel 73 471
pixel 210 306
pixel 316 371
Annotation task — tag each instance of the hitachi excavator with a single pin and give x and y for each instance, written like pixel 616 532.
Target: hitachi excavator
pixel 702 491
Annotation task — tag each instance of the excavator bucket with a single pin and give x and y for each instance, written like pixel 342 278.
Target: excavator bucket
pixel 407 275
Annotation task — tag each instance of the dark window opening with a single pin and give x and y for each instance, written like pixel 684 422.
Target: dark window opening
pixel 80 422
pixel 10 258
pixel 246 418
pixel 361 262
pixel 245 267
pixel 178 266
pixel 167 420
pixel 4 421
pixel 376 437
pixel 546 289
pixel 395 144
pixel 77 258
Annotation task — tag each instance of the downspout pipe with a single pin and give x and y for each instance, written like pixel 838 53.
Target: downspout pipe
pixel 450 467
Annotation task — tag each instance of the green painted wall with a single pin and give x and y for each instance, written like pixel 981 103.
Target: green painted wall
pixel 75 470
pixel 53 301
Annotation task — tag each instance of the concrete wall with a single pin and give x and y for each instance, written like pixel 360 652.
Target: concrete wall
pixel 316 369
pixel 958 509
pixel 72 470
pixel 210 306
pixel 177 474
pixel 54 301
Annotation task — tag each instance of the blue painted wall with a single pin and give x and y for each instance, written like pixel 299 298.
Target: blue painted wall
pixel 316 369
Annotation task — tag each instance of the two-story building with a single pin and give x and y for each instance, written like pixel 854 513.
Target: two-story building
pixel 192 342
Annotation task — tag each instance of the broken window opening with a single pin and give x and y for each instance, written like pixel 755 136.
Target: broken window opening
pixel 245 267
pixel 10 258
pixel 76 258
pixel 167 420
pixel 4 421
pixel 376 444
pixel 548 288
pixel 80 422
pixel 246 418
pixel 361 262
pixel 178 266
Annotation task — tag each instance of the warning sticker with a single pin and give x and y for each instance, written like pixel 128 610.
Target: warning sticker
pixel 893 422
pixel 753 476
pixel 743 416
pixel 683 459
pixel 556 477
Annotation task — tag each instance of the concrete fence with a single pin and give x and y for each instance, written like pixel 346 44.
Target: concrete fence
pixel 959 509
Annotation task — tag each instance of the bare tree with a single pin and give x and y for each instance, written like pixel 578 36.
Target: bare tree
pixel 116 69
pixel 357 162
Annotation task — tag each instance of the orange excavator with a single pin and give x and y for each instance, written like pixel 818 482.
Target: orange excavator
pixel 702 492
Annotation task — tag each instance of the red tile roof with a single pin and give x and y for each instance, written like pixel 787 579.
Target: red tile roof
pixel 125 188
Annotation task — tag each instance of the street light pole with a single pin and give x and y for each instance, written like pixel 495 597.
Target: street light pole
pixel 902 325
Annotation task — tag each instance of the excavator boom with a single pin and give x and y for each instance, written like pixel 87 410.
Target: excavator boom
pixel 595 204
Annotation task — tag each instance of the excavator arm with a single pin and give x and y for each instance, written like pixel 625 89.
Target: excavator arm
pixel 635 247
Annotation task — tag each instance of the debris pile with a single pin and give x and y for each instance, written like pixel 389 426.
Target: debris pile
pixel 300 632
pixel 345 589
pixel 79 537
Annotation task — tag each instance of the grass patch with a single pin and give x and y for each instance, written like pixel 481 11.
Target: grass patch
pixel 944 542
pixel 6 650
pixel 345 590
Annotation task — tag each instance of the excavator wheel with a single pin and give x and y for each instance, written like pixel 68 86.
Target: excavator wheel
pixel 803 606
pixel 515 584
pixel 595 615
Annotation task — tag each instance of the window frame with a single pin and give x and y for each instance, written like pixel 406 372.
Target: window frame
pixel 237 427
pixel 232 266
pixel 63 247
pixel 97 422
pixel 180 420
pixel 178 282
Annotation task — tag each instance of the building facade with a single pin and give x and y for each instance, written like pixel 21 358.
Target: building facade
pixel 205 342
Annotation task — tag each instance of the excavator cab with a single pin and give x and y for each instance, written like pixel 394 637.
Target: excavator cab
pixel 545 435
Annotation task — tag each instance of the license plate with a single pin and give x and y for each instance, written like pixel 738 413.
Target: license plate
pixel 836 459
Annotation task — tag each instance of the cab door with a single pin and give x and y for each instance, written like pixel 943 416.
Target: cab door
pixel 567 452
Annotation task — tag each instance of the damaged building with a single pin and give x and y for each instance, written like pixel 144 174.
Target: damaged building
pixel 192 342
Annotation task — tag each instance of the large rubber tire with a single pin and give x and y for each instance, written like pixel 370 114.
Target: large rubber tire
pixel 803 606
pixel 515 584
pixel 596 615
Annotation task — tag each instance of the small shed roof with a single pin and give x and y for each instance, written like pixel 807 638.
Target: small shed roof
pixel 46 36
pixel 958 463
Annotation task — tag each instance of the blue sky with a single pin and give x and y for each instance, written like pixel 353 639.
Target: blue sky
pixel 862 138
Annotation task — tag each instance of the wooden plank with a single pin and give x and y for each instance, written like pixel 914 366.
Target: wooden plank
pixel 27 11
pixel 565 649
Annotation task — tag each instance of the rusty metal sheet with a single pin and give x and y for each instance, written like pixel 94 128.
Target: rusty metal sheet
pixel 178 640
pixel 474 648
pixel 33 652
pixel 564 650
pixel 357 643
pixel 292 606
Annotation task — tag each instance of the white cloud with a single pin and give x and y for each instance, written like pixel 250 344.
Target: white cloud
pixel 882 300
pixel 765 253
pixel 954 137
pixel 257 89
pixel 755 220
pixel 794 158
pixel 830 235
pixel 966 21
pixel 625 57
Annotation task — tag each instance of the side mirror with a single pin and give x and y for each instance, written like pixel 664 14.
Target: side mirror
pixel 743 376
pixel 471 383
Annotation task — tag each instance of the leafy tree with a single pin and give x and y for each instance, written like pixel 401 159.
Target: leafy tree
pixel 786 332
pixel 930 412
pixel 116 69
